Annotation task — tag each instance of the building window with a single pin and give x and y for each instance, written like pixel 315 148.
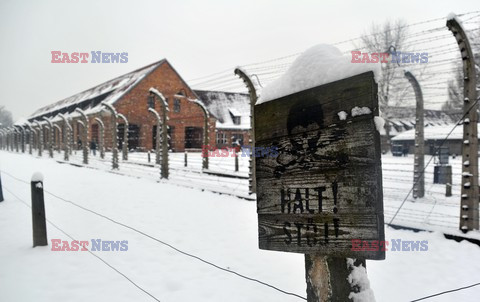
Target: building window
pixel 236 120
pixel 176 105
pixel 221 138
pixel 151 102
pixel 237 139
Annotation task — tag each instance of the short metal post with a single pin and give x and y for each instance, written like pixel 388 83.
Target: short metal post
pixel 38 211
pixel 1 189
pixel 236 159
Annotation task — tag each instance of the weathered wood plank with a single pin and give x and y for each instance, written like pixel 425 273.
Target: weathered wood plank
pixel 327 173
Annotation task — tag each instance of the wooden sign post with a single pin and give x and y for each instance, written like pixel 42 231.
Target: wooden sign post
pixel 323 188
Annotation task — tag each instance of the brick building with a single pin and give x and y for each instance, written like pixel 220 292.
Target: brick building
pixel 129 95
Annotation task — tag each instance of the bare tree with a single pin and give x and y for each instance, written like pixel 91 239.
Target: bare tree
pixel 6 119
pixel 455 92
pixel 391 35
pixel 454 104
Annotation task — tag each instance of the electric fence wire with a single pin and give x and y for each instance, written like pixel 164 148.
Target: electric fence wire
pixel 163 242
pixel 93 254
pixel 446 292
pixel 433 155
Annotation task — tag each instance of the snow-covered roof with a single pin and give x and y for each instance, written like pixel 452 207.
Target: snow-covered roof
pixel 226 105
pixel 234 112
pixel 90 99
pixel 433 133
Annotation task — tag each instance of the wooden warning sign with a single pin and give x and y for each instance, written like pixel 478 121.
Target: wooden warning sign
pixel 323 187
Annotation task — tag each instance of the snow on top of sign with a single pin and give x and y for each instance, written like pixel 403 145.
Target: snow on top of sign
pixel 342 115
pixel 358 278
pixel 356 111
pixel 321 64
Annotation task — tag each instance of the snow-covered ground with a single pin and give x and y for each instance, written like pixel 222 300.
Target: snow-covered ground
pixel 218 228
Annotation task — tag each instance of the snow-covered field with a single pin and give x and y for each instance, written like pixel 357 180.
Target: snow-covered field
pixel 221 229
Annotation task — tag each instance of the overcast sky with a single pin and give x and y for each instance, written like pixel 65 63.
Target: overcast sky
pixel 197 37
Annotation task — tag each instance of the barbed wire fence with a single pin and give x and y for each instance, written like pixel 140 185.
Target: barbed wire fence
pixel 443 59
pixel 142 233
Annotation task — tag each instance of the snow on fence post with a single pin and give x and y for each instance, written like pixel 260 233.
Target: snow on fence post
pixel 125 136
pixel 59 141
pixel 469 207
pixel 164 132
pixel 114 117
pixel 13 139
pixel 7 133
pixel 50 136
pixel 17 139
pixel 84 142
pixel 319 183
pixel 67 134
pixel 85 145
pixel 10 139
pixel 30 136
pixel 206 126
pixel 157 135
pixel 38 211
pixel 419 156
pixel 21 137
pixel 101 143
pixel 39 138
pixel 33 137
pixel 253 99
pixel 24 137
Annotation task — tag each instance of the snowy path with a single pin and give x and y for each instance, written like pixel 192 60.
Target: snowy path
pixel 219 228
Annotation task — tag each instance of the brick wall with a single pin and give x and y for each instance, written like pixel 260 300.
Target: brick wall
pixel 134 105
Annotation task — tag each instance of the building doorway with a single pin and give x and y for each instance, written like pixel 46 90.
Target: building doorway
pixel 193 137
pixel 133 136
